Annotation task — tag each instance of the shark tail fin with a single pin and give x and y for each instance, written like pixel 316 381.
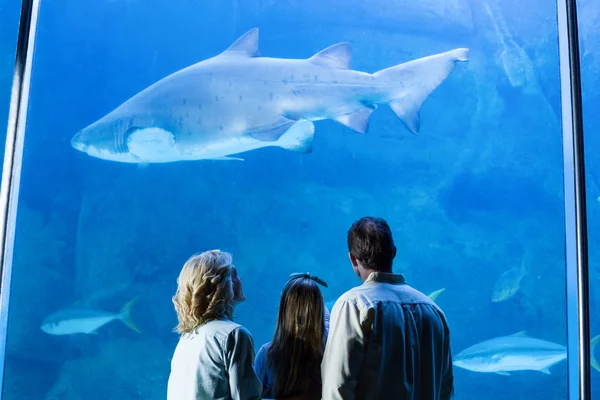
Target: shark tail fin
pixel 299 137
pixel 125 315
pixel 412 82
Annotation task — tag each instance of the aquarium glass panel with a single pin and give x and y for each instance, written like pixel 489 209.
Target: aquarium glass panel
pixel 589 49
pixel 157 130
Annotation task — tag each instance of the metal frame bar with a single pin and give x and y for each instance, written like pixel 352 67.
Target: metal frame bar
pixel 577 280
pixel 13 155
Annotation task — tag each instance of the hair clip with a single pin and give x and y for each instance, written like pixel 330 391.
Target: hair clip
pixel 309 276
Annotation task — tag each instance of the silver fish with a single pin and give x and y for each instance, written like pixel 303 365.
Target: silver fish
pixel 516 352
pixel 509 283
pixel 69 321
pixel 238 101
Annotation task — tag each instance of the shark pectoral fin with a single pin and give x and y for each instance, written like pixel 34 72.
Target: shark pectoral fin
pixel 357 121
pixel 545 371
pixel 227 158
pixel 503 373
pixel 274 133
pixel 246 45
pixel 337 56
pixel 298 138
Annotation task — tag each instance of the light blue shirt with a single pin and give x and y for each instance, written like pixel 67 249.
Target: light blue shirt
pixel 387 341
pixel 214 362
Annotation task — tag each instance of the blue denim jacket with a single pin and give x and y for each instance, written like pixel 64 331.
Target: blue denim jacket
pixel 387 341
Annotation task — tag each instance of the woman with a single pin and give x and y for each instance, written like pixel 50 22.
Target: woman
pixel 290 365
pixel 214 356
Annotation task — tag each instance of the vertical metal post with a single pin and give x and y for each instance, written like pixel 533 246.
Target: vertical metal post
pixel 577 281
pixel 13 154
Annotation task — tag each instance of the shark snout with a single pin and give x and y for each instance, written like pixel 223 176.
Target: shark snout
pixel 77 143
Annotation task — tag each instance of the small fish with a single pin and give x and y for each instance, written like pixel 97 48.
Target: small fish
pixel 69 321
pixel 509 282
pixel 517 352
pixel 593 343
pixel 434 295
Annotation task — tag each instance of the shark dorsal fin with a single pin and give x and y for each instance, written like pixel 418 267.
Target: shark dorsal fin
pixel 246 45
pixel 521 334
pixel 336 56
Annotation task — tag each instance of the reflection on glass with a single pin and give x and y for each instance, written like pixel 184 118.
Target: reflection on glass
pixel 9 29
pixel 160 130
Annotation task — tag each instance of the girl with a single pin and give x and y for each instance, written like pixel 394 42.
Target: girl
pixel 290 365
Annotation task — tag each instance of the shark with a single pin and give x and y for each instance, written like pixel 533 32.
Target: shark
pixel 239 101
pixel 516 352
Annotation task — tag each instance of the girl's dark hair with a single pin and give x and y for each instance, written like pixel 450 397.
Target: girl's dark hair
pixel 296 350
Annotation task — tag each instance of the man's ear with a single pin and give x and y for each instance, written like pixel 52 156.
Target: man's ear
pixel 353 260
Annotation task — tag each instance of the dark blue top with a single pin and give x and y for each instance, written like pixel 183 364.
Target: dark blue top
pixel 265 374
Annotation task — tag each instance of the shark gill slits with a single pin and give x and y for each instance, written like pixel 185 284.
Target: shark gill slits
pixel 121 145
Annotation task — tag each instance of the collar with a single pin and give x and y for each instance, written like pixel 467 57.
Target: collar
pixel 386 277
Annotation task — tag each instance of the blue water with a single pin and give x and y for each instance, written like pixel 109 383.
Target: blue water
pixel 478 188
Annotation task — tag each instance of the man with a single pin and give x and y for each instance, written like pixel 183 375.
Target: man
pixel 386 339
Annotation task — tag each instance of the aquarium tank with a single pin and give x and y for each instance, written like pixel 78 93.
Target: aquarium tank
pixel 156 130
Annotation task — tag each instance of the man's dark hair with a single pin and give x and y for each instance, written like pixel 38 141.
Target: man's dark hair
pixel 370 241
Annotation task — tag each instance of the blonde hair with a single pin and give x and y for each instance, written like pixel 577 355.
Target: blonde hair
pixel 204 290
